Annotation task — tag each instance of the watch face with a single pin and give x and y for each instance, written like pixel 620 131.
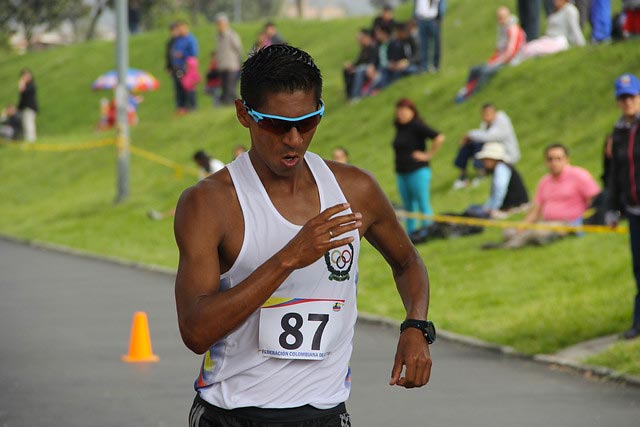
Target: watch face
pixel 431 331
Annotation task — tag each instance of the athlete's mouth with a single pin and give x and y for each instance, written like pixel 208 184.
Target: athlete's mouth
pixel 290 160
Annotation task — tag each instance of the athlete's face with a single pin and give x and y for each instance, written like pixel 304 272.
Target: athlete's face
pixel 281 153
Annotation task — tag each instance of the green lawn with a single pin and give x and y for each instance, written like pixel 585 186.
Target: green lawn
pixel 536 300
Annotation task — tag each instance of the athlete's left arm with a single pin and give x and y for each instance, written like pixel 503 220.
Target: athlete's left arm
pixel 381 228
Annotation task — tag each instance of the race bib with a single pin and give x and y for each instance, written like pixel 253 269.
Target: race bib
pixel 300 328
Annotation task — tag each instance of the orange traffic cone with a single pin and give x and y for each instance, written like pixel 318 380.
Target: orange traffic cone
pixel 140 341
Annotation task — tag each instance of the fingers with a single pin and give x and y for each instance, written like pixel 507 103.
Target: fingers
pixel 338 224
pixel 396 371
pixel 412 354
pixel 426 373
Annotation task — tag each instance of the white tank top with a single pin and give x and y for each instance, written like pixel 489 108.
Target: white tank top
pixel 296 349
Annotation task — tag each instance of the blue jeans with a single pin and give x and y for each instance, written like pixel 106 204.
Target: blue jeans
pixel 468 152
pixel 415 188
pixel 429 32
pixel 634 237
pixel 359 77
pixel 180 93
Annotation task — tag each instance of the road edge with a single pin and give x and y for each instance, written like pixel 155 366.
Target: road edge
pixel 549 360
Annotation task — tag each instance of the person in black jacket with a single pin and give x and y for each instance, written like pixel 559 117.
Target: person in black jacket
pixel 624 177
pixel 363 68
pixel 28 104
pixel 401 58
pixel 412 164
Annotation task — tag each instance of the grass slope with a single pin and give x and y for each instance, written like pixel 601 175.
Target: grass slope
pixel 535 299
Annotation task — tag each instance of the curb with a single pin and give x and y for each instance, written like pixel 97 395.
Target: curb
pixel 387 322
pixel 88 255
pixel 546 359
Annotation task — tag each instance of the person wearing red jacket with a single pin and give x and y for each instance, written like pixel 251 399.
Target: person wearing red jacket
pixel 511 38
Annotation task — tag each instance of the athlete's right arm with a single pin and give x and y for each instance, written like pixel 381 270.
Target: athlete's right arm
pixel 206 314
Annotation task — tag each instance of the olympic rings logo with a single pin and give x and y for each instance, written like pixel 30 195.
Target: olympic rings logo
pixel 341 259
pixel 339 263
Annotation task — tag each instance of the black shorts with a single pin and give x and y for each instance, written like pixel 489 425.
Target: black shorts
pixel 204 414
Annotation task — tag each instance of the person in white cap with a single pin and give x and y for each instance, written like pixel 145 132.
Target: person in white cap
pixel 507 188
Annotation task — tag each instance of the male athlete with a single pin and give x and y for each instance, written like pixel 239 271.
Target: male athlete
pixel 266 284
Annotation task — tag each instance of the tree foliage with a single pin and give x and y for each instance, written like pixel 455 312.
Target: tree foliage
pixel 29 14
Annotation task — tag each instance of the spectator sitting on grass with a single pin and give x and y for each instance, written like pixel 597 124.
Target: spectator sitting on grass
pixel 511 38
pixel 495 127
pixel 385 19
pixel 272 35
pixel 563 31
pixel 340 154
pixel 356 73
pixel 402 58
pixel 382 39
pixel 208 165
pixel 562 197
pixel 10 123
pixel 508 192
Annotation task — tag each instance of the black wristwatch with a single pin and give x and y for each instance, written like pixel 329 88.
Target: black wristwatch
pixel 426 326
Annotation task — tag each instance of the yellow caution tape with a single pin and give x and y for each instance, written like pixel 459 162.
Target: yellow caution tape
pixel 178 169
pixel 513 224
pixel 60 147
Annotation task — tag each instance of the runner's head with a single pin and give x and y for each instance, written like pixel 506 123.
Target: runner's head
pixel 278 69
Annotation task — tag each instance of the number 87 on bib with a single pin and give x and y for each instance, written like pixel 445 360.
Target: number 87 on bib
pixel 300 328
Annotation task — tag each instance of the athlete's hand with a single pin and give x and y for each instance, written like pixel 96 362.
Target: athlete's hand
pixel 320 234
pixel 413 354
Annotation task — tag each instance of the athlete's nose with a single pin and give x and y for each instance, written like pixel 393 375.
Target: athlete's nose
pixel 293 137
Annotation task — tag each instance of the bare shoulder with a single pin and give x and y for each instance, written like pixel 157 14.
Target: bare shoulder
pixel 362 191
pixel 352 179
pixel 204 208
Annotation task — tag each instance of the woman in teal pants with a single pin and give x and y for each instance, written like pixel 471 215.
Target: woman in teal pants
pixel 412 160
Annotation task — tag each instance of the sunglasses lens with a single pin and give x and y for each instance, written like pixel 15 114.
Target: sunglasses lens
pixel 309 123
pixel 280 127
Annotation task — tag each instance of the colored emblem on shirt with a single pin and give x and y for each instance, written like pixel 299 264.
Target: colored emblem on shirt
pixel 339 262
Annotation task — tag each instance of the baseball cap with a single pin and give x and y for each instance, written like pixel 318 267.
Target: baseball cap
pixel 492 150
pixel 627 84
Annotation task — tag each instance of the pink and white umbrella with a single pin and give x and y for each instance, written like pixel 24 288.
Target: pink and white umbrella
pixel 137 81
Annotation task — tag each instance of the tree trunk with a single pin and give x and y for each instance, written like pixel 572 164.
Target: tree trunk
pixel 28 34
pixel 300 7
pixel 94 21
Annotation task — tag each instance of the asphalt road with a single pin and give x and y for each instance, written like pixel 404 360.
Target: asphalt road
pixel 65 321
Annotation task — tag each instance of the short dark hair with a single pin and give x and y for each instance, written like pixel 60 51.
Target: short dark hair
pixel 488 105
pixel 201 156
pixel 278 68
pixel 556 145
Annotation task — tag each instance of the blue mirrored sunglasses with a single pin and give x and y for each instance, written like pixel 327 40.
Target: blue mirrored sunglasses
pixel 280 125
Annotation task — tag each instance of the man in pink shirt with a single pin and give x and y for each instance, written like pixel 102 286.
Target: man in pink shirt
pixel 562 197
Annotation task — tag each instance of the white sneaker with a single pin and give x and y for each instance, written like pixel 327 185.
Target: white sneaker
pixel 155 215
pixel 476 181
pixel 460 183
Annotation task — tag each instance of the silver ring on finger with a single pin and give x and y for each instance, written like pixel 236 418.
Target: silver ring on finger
pixel 331 234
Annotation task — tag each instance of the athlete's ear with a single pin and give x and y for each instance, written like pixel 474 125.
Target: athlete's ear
pixel 241 113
